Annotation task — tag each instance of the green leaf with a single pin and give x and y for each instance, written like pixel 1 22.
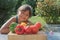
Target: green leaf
pixel 35 19
pixel 12 26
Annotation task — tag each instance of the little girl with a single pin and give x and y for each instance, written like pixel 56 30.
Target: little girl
pixel 23 13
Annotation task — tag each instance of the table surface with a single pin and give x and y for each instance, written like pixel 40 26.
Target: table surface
pixel 54 36
pixel 3 37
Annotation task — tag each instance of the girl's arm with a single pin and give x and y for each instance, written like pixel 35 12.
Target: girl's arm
pixel 5 27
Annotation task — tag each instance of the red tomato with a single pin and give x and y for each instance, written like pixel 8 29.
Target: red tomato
pixel 38 25
pixel 19 29
pixel 28 30
pixel 34 29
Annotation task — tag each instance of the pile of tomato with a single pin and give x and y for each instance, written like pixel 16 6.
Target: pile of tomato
pixel 29 29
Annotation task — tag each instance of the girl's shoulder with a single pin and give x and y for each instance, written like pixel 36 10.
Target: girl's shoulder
pixel 13 18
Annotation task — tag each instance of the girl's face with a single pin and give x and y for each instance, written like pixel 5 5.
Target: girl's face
pixel 23 15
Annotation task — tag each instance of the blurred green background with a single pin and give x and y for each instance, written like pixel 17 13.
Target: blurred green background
pixel 49 10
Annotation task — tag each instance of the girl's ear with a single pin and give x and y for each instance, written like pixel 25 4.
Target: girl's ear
pixel 19 12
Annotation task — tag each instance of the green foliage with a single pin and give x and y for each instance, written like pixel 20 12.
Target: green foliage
pixel 7 4
pixel 7 8
pixel 32 3
pixel 18 4
pixel 50 11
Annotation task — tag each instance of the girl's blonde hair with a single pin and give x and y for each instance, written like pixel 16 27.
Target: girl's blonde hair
pixel 25 8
